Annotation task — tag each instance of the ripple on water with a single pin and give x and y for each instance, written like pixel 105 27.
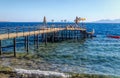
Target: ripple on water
pixel 90 56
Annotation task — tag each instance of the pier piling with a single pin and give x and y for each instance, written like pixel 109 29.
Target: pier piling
pixel 27 48
pixel 37 41
pixel 53 36
pixel 14 46
pixel 25 41
pixel 46 39
pixel 0 47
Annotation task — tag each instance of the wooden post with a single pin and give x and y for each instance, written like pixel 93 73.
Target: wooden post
pixel 34 30
pixel 74 34
pixel 62 35
pixel 84 34
pixel 45 38
pixel 27 44
pixel 77 34
pixel 14 46
pixel 53 33
pixel 66 34
pixel 69 34
pixel 36 41
pixel 0 47
pixel 42 36
pixel 16 31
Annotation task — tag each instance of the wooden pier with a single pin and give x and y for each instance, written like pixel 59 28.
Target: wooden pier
pixel 47 33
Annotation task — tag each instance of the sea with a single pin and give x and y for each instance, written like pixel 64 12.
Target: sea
pixel 98 55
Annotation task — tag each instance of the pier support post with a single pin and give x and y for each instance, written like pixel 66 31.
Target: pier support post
pixel 66 34
pixel 25 41
pixel 69 34
pixel 27 44
pixel 37 41
pixel 0 47
pixel 84 34
pixel 74 34
pixel 42 36
pixel 45 38
pixel 53 36
pixel 14 46
pixel 77 34
pixel 34 41
pixel 63 35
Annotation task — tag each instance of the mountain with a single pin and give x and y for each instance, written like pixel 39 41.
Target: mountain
pixel 108 21
pixel 4 21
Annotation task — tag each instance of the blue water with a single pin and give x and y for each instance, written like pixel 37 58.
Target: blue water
pixel 98 55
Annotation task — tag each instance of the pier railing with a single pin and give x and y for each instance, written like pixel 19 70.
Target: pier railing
pixel 11 32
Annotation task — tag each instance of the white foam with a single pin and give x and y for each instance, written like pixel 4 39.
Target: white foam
pixel 39 73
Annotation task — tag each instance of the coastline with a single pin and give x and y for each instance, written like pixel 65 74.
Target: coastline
pixel 24 66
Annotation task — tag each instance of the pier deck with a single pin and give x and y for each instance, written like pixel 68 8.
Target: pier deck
pixel 40 31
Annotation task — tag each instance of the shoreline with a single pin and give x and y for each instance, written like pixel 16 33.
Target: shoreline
pixel 23 73
pixel 28 63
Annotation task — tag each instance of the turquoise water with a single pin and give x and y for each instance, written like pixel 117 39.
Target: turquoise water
pixel 98 55
pixel 85 56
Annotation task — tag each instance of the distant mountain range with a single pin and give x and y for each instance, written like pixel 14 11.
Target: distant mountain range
pixel 98 21
pixel 4 21
pixel 108 21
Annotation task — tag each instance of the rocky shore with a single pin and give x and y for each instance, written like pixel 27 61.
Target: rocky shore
pixel 30 66
pixel 25 66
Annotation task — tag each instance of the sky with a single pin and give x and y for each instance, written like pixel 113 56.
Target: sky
pixel 35 10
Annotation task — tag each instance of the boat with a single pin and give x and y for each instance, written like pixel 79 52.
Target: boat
pixel 112 36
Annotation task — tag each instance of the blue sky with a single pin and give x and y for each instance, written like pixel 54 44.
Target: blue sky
pixel 34 10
